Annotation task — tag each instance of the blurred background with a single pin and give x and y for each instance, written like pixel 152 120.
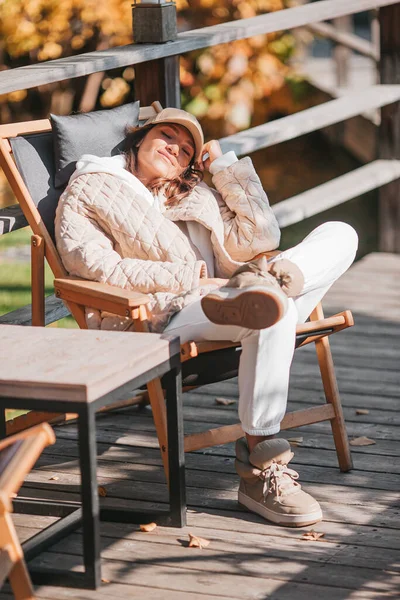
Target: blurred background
pixel 228 88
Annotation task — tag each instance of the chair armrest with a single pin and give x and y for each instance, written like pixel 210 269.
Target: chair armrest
pixel 18 455
pixel 43 430
pixel 102 296
pixel 269 254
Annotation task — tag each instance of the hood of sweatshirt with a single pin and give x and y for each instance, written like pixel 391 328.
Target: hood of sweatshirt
pixel 114 165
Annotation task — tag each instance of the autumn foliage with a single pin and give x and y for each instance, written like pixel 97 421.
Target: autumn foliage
pixel 225 82
pixel 219 83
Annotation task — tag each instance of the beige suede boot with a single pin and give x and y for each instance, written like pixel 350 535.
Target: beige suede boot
pixel 269 488
pixel 256 295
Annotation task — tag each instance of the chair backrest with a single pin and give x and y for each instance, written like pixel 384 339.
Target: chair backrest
pixel 31 176
pixel 19 453
pixel 34 156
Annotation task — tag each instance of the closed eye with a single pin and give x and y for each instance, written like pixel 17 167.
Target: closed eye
pixel 186 150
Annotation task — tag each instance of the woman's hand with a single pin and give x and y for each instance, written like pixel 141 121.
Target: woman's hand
pixel 213 149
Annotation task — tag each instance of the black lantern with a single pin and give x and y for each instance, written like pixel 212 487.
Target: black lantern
pixel 154 21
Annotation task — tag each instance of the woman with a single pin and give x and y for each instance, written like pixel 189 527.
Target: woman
pixel 146 221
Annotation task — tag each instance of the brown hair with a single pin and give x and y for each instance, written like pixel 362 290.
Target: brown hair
pixel 174 189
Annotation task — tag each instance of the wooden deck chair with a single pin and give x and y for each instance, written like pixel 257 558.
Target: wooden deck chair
pixel 26 156
pixel 18 454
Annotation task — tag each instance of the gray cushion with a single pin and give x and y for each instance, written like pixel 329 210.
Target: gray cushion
pixel 34 157
pixel 99 132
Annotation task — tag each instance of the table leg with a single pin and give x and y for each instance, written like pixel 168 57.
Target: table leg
pixel 176 453
pixel 89 494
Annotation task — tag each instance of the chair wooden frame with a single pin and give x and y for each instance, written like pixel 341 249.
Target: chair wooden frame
pixel 79 293
pixel 12 562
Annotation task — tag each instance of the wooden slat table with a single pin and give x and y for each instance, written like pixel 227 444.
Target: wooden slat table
pixel 78 371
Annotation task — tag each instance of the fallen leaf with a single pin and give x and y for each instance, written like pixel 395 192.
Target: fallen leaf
pixel 295 440
pixel 148 527
pixel 102 491
pixel 312 536
pixel 197 542
pixel 224 401
pixel 362 441
pixel 54 478
pixel 105 580
pixel 362 411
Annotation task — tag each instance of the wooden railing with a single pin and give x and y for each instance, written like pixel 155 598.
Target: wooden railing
pixel 345 38
pixel 157 77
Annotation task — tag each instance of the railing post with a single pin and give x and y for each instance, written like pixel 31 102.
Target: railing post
pixel 156 79
pixel 389 130
pixel 341 54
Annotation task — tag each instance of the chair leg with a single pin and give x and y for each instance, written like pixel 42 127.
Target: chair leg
pixel 332 396
pixel 20 581
pixel 157 400
pixel 18 576
pixel 37 271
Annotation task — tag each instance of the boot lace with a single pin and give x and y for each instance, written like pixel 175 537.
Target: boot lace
pixel 279 480
pixel 282 277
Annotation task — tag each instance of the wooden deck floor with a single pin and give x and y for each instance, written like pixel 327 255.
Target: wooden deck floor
pixel 359 556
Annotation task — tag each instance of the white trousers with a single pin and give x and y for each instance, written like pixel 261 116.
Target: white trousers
pixel 323 256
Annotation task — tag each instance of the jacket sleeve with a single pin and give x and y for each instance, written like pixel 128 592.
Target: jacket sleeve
pixel 87 251
pixel 250 226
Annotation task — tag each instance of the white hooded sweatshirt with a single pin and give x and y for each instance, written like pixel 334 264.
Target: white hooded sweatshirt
pixel 197 234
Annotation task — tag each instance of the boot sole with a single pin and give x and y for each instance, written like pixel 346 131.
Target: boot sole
pixel 255 309
pixel 277 518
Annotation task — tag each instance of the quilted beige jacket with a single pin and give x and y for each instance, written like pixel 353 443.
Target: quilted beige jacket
pixel 107 232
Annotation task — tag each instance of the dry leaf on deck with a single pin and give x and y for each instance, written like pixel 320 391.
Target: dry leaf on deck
pixel 312 536
pixel 362 441
pixel 148 527
pixel 102 491
pixel 105 580
pixel 362 411
pixel 295 440
pixel 54 478
pixel 224 401
pixel 197 542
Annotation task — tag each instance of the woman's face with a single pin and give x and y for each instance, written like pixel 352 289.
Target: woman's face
pixel 166 151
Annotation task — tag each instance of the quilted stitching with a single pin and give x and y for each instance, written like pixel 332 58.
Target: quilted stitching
pixel 107 232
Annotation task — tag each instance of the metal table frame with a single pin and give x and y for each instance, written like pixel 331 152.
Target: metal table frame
pixel 88 513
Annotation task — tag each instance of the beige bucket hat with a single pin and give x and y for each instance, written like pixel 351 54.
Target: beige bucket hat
pixel 181 117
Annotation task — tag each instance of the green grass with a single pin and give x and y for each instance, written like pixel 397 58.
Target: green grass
pixel 21 237
pixel 13 414
pixel 15 286
pixel 15 279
